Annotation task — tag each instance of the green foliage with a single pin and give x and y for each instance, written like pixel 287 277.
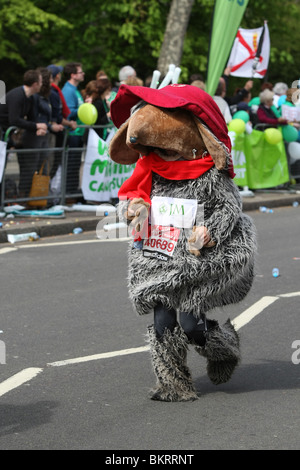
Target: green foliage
pixel 21 24
pixel 196 44
pixel 107 34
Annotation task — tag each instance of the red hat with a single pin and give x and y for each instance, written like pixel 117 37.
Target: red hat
pixel 188 97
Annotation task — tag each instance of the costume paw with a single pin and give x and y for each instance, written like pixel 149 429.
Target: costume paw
pixel 200 238
pixel 137 213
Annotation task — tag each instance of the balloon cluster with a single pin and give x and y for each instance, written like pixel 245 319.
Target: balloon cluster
pixel 238 122
pixel 272 135
pixel 87 114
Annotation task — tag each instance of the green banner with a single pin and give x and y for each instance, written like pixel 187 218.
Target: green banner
pixel 258 164
pixel 239 158
pixel 267 164
pixel 226 21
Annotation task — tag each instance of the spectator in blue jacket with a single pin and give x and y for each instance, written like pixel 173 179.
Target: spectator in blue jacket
pixel 74 75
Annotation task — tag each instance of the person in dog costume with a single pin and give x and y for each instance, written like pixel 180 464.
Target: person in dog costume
pixel 179 141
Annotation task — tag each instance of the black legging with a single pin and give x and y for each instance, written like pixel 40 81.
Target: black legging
pixel 194 328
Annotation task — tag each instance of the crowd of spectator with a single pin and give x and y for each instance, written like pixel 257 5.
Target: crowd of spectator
pixel 265 110
pixel 40 111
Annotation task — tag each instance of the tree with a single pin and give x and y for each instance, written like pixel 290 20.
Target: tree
pixel 172 46
pixel 21 23
pixel 107 34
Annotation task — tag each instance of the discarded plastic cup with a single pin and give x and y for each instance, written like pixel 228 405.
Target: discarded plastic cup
pixel 265 209
pixel 77 230
pixel 21 237
pixel 275 272
pixel 117 225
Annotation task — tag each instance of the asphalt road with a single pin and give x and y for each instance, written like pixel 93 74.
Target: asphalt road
pixel 77 373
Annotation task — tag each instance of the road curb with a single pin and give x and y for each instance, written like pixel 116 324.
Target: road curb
pixel 269 200
pixel 50 227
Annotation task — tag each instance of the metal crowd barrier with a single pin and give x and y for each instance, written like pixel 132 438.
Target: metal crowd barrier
pixel 63 156
pixel 18 159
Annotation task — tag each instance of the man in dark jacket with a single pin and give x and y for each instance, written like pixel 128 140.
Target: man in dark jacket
pixel 18 107
pixel 18 111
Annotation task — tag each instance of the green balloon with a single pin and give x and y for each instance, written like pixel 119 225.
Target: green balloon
pixel 237 125
pixel 255 100
pixel 290 133
pixel 273 136
pixel 87 114
pixel 241 115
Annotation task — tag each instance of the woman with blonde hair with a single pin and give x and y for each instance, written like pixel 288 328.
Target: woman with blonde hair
pixel 199 83
pixel 134 81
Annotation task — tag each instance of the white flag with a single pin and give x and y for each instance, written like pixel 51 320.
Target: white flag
pixel 242 59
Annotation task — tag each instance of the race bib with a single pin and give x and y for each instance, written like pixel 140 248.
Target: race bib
pixel 173 212
pixel 161 243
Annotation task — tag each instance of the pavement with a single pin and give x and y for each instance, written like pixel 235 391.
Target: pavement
pixel 85 216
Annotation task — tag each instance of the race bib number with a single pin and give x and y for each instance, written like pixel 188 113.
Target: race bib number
pixel 173 212
pixel 161 243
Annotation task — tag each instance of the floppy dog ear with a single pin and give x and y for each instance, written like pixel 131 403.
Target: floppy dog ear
pixel 119 152
pixel 214 147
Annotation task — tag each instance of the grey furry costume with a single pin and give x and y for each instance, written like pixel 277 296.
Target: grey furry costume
pixel 221 275
pixel 189 283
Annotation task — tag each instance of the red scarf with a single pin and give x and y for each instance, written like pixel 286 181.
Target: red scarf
pixel 140 182
pixel 65 109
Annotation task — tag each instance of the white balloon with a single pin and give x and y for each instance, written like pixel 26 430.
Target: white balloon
pixel 294 151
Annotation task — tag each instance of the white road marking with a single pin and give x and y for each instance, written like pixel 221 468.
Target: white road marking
pixel 7 250
pixel 252 311
pixel 18 379
pixel 96 357
pixel 75 242
pixel 291 294
pixel 239 321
